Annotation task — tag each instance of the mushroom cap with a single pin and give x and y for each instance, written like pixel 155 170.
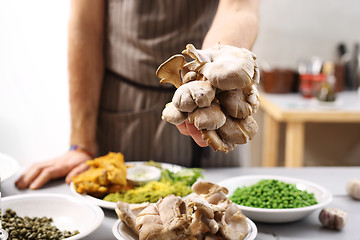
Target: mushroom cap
pixel 238 131
pixel 226 67
pixel 249 126
pixel 190 76
pixel 234 103
pixel 231 132
pixel 206 187
pixel 168 71
pixel 234 224
pixel 172 115
pixel 209 118
pixel 193 94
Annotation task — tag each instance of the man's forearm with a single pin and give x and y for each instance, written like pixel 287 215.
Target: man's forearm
pixel 86 69
pixel 235 23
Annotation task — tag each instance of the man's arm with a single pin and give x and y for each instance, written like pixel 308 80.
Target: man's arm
pixel 86 68
pixel 236 24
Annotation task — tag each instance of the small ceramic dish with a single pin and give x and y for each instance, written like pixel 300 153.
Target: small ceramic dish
pixel 142 174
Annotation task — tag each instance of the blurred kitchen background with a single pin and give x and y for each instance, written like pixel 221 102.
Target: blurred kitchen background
pixel 294 35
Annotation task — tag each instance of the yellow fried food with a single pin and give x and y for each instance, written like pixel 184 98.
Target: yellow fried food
pixel 105 174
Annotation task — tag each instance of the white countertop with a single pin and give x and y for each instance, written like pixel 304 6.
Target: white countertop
pixel 332 178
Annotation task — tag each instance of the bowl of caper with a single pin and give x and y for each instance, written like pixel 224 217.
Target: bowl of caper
pixel 48 216
pixel 276 199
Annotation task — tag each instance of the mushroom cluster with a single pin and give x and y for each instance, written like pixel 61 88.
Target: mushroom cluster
pixel 216 91
pixel 205 214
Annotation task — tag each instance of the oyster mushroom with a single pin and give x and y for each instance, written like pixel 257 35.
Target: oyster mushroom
pixel 205 214
pixel 234 103
pixel 128 213
pixel 226 67
pixel 238 131
pixel 164 220
pixel 190 76
pixel 205 187
pixel 209 118
pixel 192 95
pixel 169 70
pixel 146 230
pixel 224 75
pixel 202 216
pixel 172 115
pixel 233 223
pixel 239 103
pixel 215 142
pixel 172 211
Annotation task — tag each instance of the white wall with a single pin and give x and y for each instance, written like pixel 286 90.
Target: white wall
pixel 34 119
pixel 291 30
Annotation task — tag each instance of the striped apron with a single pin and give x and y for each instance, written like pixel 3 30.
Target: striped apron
pixel 140 36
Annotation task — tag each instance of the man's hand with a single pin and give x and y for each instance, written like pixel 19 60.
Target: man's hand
pixel 189 129
pixel 69 164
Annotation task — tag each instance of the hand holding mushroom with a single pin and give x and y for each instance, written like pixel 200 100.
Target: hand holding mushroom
pixel 216 91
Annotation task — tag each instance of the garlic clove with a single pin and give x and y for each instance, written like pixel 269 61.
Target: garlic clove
pixel 353 188
pixel 333 218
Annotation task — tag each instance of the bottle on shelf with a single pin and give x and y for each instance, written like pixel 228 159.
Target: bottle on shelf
pixel 327 92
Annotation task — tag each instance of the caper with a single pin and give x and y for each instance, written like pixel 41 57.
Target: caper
pixel 32 228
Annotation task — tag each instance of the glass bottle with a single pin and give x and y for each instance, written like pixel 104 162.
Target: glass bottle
pixel 327 92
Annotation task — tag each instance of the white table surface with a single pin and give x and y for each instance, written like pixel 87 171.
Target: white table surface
pixel 346 101
pixel 332 178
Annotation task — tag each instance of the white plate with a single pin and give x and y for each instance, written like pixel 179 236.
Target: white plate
pixel 93 200
pixel 68 212
pixel 322 195
pixel 122 232
pixel 9 166
pixel 112 205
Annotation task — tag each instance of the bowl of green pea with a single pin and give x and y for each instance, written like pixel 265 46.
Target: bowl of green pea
pixel 276 199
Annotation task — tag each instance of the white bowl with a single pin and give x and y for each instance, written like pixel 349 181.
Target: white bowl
pixel 140 175
pixel 8 166
pixel 122 232
pixel 68 212
pixel 322 196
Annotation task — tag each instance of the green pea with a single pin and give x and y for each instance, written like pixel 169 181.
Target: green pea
pixel 272 193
